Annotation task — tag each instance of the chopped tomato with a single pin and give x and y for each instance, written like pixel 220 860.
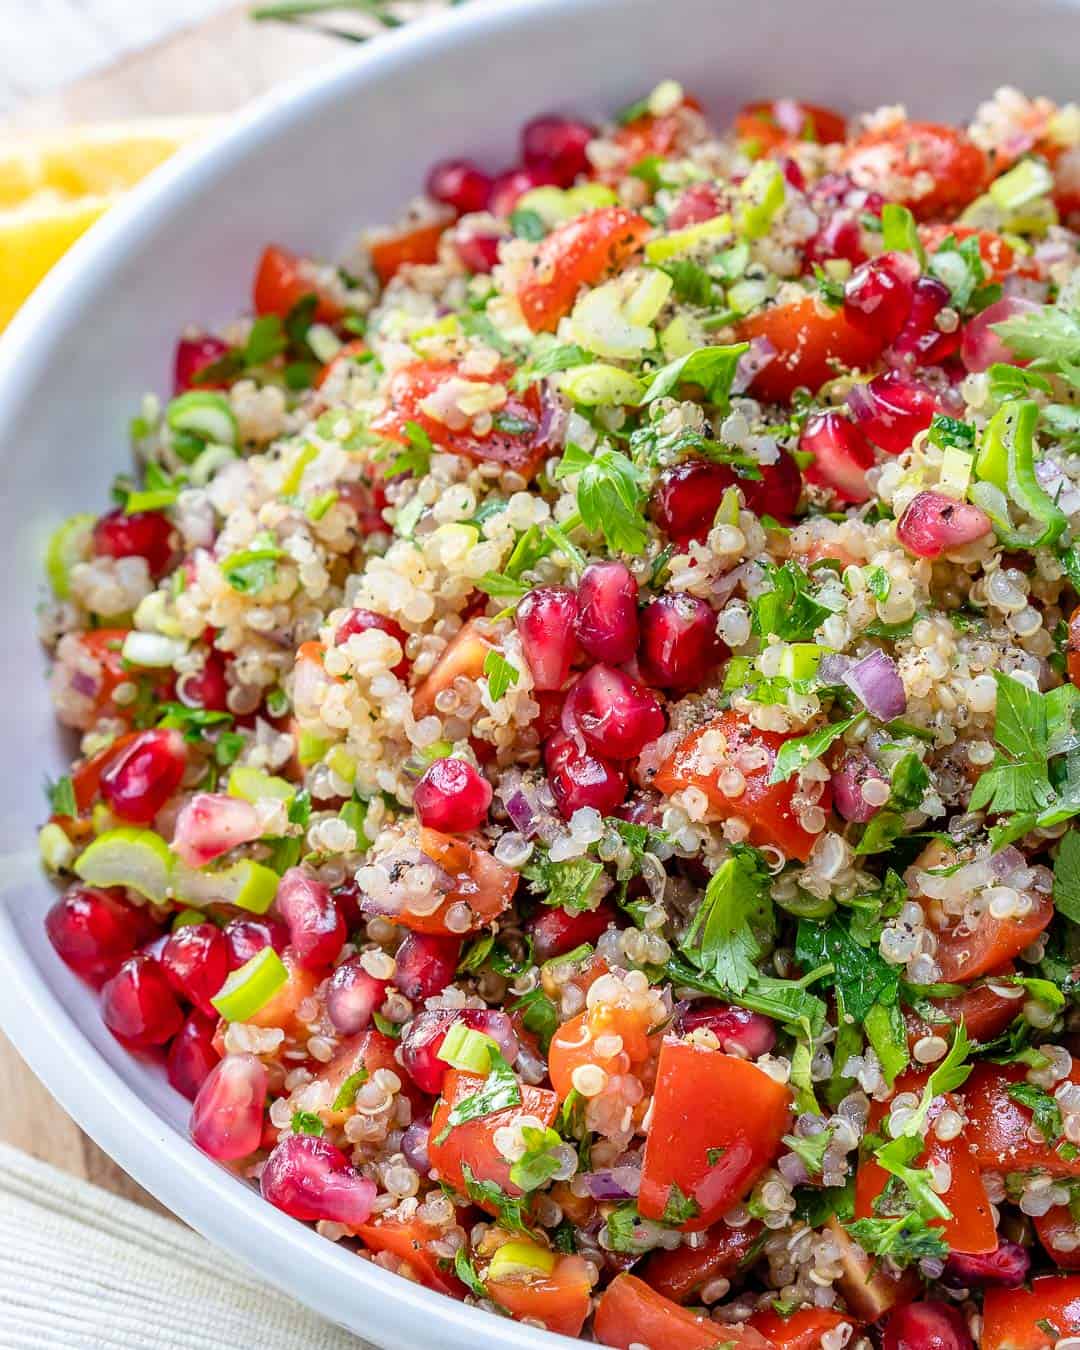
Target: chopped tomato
pixel 578 253
pixel 931 169
pixel 369 1050
pixel 965 955
pixel 803 1330
pixel 418 244
pixel 813 344
pixel 408 1240
pixel 465 655
pixel 1072 648
pixel 998 256
pixel 472 1143
pixel 646 136
pixel 513 439
pixel 717 1122
pixel 678 1274
pixel 630 1313
pixel 104 646
pixel 283 1009
pixel 86 776
pixel 868 1290
pixel 771 125
pixel 971 1229
pixel 983 1009
pixel 766 807
pixel 480 881
pixel 283 279
pixel 1021 1319
pixel 344 357
pixel 998 1126
pixel 1059 1223
pixel 574 1044
pixel 559 1300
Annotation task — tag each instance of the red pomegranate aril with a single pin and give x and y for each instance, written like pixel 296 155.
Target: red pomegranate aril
pixel 347 898
pixel 316 928
pixel 353 996
pixel 245 938
pixel 195 960
pixel 143 534
pixel 140 781
pixel 921 342
pixel 311 1180
pixel 546 619
pixel 841 453
pixel 556 931
pixel 557 144
pixel 459 183
pixel 892 409
pixel 192 1055
pixel 192 356
pixel 679 646
pixel 839 237
pixel 509 186
pixel 478 252
pixel 776 493
pixel 94 932
pixel 361 620
pixel 614 714
pixel 424 1035
pixel 933 524
pixel 878 295
pixel 607 621
pixel 698 202
pixel 687 497
pixel 227 1118
pixel 1008 1266
pixel 426 964
pixel 739 1031
pixel 579 779
pixel 207 688
pixel 793 173
pixel 926 1326
pixel 138 1006
pixel 414 1144
pixel 980 346
pixel 452 797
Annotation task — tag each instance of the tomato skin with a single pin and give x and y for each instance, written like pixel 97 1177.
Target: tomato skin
pixel 770 125
pixel 280 283
pixel 572 1045
pixel 984 1012
pixel 1048 1226
pixel 578 253
pixel 419 244
pixel 407 1239
pixel 559 1300
pixel 997 1126
pixel 630 1313
pixel 765 807
pixel 896 161
pixel 680 1273
pixel 1072 648
pixel 472 1144
pixel 1010 1316
pixel 803 1330
pixel 706 1099
pixel 998 256
pixel 282 1010
pixel 412 384
pixel 480 881
pixel 813 343
pixel 86 776
pixel 994 942
pixel 368 1050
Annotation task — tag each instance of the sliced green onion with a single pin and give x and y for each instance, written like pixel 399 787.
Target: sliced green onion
pixel 956 468
pixel 246 884
pixel 204 414
pixel 68 545
pixel 465 1048
pixel 683 241
pixel 589 197
pixel 253 784
pixel 744 296
pixel 549 203
pixel 518 1258
pixel 184 918
pixel 727 513
pixel 324 342
pixel 339 761
pixel 152 650
pixel 138 859
pixel 310 748
pixel 676 339
pixel 251 986
pixel 214 457
pixel 648 298
pixel 1022 184
pixel 599 385
pixel 761 195
pixel 601 323
pixel 303 457
pixel 800 660
pixel 1005 466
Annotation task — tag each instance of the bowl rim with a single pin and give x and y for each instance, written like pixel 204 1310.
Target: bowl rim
pixel 212 1200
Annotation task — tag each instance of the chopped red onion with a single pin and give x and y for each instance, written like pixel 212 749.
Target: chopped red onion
pixel 603 1186
pixel 522 812
pixel 752 362
pixel 414 1144
pixel 834 667
pixel 1006 862
pixel 847 784
pixel 876 682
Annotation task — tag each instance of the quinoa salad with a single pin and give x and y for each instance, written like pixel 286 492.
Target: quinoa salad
pixel 578 732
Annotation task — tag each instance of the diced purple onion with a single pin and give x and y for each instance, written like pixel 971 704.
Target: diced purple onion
pixel 603 1186
pixel 414 1144
pixel 876 682
pixel 521 811
pixel 834 667
pixel 1006 862
pixel 855 769
pixel 752 362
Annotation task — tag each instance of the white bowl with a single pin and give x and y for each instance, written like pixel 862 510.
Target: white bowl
pixel 306 167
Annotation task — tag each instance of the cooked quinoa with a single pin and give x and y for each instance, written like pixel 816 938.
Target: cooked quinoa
pixel 577 732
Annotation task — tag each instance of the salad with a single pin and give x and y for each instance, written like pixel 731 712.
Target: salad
pixel 579 734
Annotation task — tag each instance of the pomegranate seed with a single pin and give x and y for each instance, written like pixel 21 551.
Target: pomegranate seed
pixel 1007 1266
pixel 933 524
pixel 980 346
pixel 616 716
pixel 878 295
pixel 545 620
pixel 698 202
pixel 192 1055
pixel 138 1006
pixel 556 931
pixel 461 184
pixel 368 501
pixel 452 797
pixel 210 824
pixel 352 996
pixel 776 493
pixel 310 1179
pixel 557 144
pixel 245 938
pixel 347 898
pixel 926 1326
pixel 208 688
pixel 549 719
pixel 478 252
pixel 424 1035
pixel 607 621
pixel 687 498
pixel 679 646
pixel 143 534
pixel 195 960
pixel 839 237
pixel 793 174
pixel 94 932
pixel 316 928
pixel 509 186
pixel 841 453
pixel 227 1118
pixel 579 779
pixel 921 342
pixel 891 410
pixel 414 1144
pixel 739 1031
pixel 193 355
pixel 426 964
pixel 360 620
pixel 138 783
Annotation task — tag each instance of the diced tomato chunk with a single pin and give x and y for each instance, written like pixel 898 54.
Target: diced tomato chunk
pixel 813 344
pixel 1015 1319
pixel 480 881
pixel 965 955
pixel 678 1274
pixel 282 280
pixel 932 169
pixel 998 256
pixel 283 1010
pixel 408 1240
pixel 369 1050
pixel 803 1330
pixel 574 1044
pixel 771 125
pixel 418 244
pixel 580 252
pixel 998 1126
pixel 983 1009
pixel 559 1300
pixel 630 1313
pixel 1058 1223
pixel 465 655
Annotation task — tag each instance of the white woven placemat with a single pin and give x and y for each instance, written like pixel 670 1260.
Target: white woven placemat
pixel 81 1269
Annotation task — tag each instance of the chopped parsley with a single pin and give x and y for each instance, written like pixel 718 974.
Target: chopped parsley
pixel 790 610
pixel 307 1122
pixel 610 496
pixel 903 1240
pixel 735 922
pixel 61 795
pixel 500 674
pixel 346 1093
pixel 796 753
pixel 713 368
pixel 679 1208
pixel 500 1091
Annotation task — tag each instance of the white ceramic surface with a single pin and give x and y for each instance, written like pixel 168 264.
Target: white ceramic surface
pixel 306 167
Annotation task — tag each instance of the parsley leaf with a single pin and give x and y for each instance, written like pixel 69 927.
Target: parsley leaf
pixel 466 1273
pixel 679 1208
pixel 61 795
pixel 1045 1112
pixel 1067 877
pixel 690 282
pixel 789 610
pixel 509 1209
pixel 811 1149
pixel 1048 335
pixel 417 458
pixel 251 570
pixel 541 1159
pixel 904 1240
pixel 734 923
pixel 795 754
pixel 307 1122
pixel 500 674
pixel 900 233
pixel 500 1090
pixel 549 362
pixel 610 496
pixel 538 1015
pixel 713 368
pixel 1017 779
pixel 570 883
